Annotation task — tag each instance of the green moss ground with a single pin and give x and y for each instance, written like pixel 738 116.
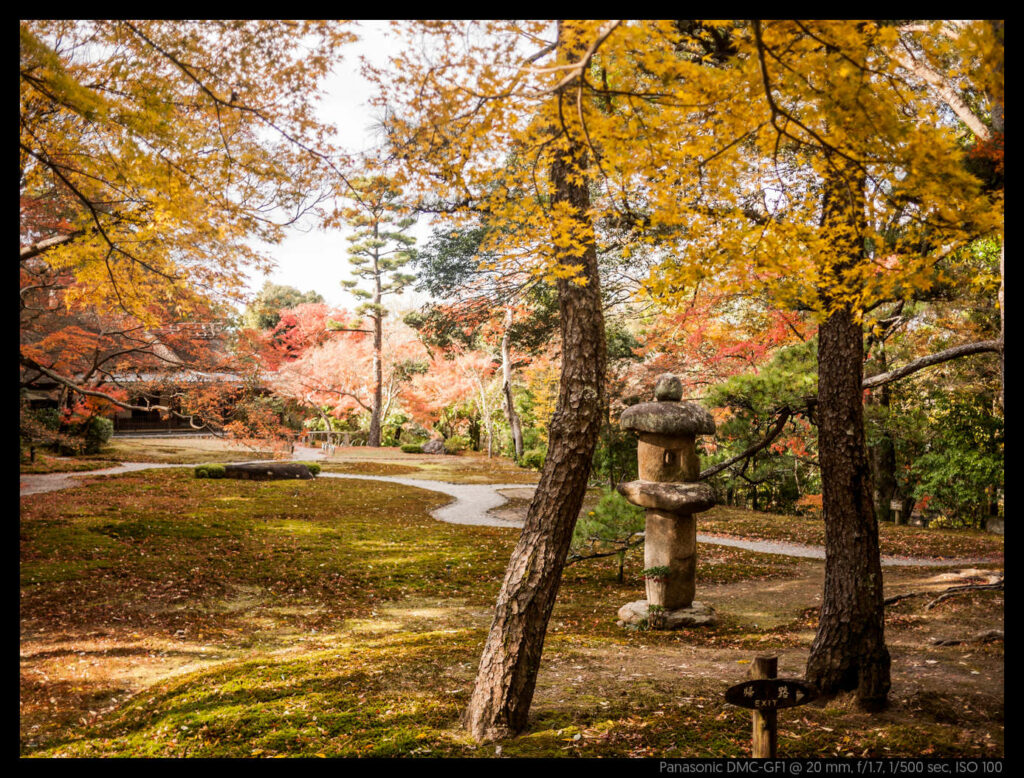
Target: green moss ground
pixel 164 615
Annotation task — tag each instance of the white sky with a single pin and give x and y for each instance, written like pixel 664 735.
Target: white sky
pixel 317 260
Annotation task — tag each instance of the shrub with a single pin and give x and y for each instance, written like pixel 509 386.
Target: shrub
pixel 314 467
pixel 209 471
pixel 413 434
pixel 96 433
pixel 611 526
pixel 533 458
pixel 810 505
pixel 412 448
pixel 455 444
pixel 48 418
pixel 37 428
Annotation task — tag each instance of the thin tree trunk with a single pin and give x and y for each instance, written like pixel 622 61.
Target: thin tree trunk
pixel 1002 328
pixel 486 413
pixel 907 503
pixel 883 453
pixel 849 649
pixel 506 389
pixel 883 469
pixel 608 448
pixel 507 673
pixel 373 437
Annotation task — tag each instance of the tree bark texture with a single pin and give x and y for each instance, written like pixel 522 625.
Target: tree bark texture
pixel 508 668
pixel 849 649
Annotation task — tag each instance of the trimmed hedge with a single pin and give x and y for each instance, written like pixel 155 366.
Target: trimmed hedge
pixel 97 433
pixel 412 448
pixel 314 468
pixel 214 470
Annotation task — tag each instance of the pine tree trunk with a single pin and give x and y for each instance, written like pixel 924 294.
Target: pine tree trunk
pixel 849 649
pixel 508 668
pixel 373 438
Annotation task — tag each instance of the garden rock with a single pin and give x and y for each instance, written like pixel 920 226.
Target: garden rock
pixel 637 615
pixel 435 446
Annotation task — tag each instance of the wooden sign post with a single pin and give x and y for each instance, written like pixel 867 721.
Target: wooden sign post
pixel 765 694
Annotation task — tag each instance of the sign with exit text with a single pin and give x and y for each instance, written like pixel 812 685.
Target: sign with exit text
pixel 770 693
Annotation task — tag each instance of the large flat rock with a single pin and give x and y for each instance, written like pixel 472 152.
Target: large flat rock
pixel 637 615
pixel 267 471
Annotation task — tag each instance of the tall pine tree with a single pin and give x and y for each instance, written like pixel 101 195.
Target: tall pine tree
pixel 380 249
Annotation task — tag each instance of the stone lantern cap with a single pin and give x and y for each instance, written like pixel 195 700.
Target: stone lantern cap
pixel 667 416
pixel 688 498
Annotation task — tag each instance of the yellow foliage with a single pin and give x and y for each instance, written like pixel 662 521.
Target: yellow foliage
pixel 715 157
pixel 163 148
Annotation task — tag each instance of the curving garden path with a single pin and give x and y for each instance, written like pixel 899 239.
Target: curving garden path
pixel 472 505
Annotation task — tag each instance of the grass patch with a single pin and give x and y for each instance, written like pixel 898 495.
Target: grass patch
pixel 180 451
pixel 370 468
pixel 466 467
pixel 48 464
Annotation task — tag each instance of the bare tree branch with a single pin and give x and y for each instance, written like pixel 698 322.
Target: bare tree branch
pixel 773 433
pixel 979 347
pixel 42 246
pixel 945 90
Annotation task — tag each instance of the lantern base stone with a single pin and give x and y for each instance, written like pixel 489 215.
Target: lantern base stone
pixel 637 615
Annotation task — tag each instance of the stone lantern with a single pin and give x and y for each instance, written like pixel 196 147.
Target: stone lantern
pixel 667 489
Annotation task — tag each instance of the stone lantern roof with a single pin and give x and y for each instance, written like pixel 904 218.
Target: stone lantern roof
pixel 668 416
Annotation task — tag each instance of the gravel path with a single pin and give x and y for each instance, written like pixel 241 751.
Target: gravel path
pixel 472 504
pixel 52 482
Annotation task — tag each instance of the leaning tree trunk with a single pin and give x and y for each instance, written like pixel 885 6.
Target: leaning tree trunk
pixel 508 667
pixel 849 650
